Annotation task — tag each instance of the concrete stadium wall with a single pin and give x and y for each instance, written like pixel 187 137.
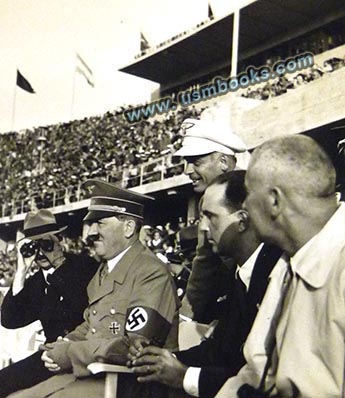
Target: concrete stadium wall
pixel 312 105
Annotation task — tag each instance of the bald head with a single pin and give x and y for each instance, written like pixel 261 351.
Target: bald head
pixel 290 186
pixel 297 164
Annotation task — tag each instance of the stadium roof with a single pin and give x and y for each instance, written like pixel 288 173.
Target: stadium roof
pixel 263 24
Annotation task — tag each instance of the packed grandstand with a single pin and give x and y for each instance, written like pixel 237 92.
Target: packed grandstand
pixel 44 167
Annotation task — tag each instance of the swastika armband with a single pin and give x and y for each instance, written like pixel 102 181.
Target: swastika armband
pixel 149 323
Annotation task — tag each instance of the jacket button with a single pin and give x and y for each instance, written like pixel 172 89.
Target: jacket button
pixel 112 311
pixel 93 330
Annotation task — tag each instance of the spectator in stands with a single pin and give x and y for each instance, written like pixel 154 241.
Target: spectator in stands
pixel 156 244
pixel 55 295
pixel 125 301
pixel 210 150
pixel 30 173
pixel 296 346
pixel 203 369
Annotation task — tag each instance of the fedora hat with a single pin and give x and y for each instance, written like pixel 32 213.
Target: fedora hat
pixel 39 224
pixel 109 200
pixel 204 136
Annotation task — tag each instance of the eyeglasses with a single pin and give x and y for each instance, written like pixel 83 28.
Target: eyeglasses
pixel 30 248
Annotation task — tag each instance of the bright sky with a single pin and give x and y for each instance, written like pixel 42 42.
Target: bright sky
pixel 41 38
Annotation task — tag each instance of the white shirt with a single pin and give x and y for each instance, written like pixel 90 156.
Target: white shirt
pixel 114 261
pixel 244 272
pixel 47 272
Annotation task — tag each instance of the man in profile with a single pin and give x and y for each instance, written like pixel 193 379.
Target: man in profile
pixel 131 296
pixel 202 370
pixel 296 346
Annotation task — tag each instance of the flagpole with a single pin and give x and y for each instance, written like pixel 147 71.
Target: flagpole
pixel 73 93
pixel 14 104
pixel 235 38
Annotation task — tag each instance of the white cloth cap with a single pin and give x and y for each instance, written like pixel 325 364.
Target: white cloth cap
pixel 203 137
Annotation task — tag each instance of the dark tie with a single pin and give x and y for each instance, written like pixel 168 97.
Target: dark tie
pixel 282 301
pixel 104 272
pixel 270 342
pixel 246 390
pixel 240 294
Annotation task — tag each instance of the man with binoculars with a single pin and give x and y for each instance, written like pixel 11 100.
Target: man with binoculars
pixel 55 295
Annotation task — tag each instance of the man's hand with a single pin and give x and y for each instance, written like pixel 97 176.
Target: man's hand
pixel 49 363
pixel 158 364
pixel 55 355
pixel 23 266
pixel 136 345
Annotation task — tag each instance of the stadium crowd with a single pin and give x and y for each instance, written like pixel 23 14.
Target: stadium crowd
pixel 35 164
pixel 280 85
pixel 32 160
pixel 255 227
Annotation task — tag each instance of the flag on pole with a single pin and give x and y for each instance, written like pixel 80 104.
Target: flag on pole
pixel 210 12
pixel 144 44
pixel 24 84
pixel 83 68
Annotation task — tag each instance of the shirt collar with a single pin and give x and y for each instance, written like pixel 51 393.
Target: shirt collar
pixel 245 271
pixel 311 267
pixel 47 272
pixel 114 261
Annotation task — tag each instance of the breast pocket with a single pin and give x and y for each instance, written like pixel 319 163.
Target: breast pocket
pixel 112 317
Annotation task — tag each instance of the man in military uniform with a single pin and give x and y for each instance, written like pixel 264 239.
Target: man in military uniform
pixel 55 295
pixel 132 295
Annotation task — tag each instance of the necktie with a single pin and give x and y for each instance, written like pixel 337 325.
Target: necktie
pixel 270 342
pixel 240 294
pixel 104 272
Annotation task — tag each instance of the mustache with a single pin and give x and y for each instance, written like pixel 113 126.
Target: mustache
pixel 90 239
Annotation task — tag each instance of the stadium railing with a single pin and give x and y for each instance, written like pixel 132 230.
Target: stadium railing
pixel 146 173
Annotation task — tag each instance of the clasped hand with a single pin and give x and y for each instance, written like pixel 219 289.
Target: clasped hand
pixel 155 364
pixel 49 362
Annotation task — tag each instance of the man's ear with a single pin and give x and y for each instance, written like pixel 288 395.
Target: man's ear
pixel 227 163
pixel 129 228
pixel 275 202
pixel 243 220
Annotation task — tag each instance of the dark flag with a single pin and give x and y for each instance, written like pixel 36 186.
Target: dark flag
pixel 23 83
pixel 144 44
pixel 210 12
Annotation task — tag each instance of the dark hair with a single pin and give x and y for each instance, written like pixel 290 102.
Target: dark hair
pixel 235 192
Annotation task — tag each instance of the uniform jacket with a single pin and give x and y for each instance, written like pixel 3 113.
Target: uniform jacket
pixel 310 348
pixel 221 356
pixel 58 306
pixel 138 296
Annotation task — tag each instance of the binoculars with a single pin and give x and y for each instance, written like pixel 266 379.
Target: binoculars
pixel 30 248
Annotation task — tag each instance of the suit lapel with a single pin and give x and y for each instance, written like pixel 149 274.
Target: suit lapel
pixel 264 264
pixel 116 276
